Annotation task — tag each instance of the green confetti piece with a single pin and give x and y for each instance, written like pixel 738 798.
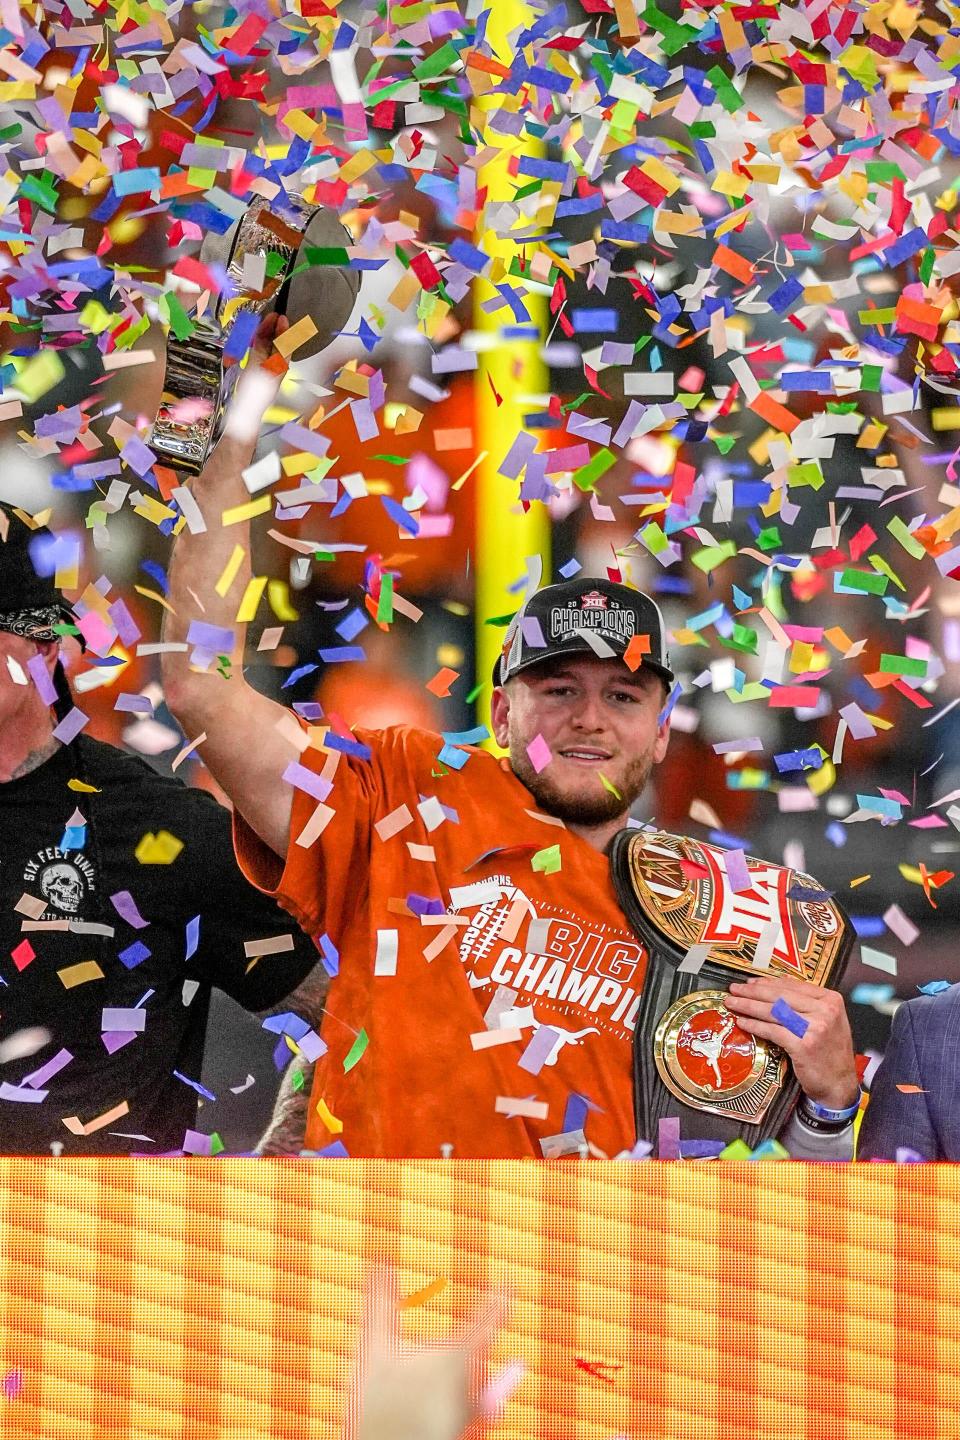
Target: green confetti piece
pixel 500 620
pixel 725 443
pixel 861 63
pixel 180 322
pixel 743 638
pixel 711 556
pixel 40 374
pixel 434 64
pixel 10 132
pixel 885 316
pixel 356 1051
pixel 326 255
pixel 863 580
pixel 736 1150
pixel 385 603
pixel 95 318
pixel 129 337
pixel 902 665
pixel 882 566
pixel 883 171
pixel 547 861
pixel 870 377
pixel 477 690
pixel 809 473
pixel 653 537
pixel 753 690
pixel 900 533
pixel 296 1081
pixel 393 459
pixel 41 190
pixel 609 785
pixel 217 1146
pixel 587 476
pixel 727 93
pixel 769 539
pixel 927 264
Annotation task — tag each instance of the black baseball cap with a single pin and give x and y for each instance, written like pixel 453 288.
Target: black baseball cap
pixel 586 616
pixel 24 590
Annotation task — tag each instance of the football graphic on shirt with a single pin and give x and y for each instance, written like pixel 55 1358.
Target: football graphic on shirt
pixel 570 974
pixel 487 919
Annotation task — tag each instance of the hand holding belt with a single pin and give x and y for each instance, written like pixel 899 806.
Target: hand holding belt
pixel 691 1058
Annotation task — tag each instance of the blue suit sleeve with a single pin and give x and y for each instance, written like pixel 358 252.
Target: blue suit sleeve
pixel 894 1119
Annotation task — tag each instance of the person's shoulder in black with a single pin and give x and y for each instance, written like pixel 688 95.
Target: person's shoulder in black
pixel 173 843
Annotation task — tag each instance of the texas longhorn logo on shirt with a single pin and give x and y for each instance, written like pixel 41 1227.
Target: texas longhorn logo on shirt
pixel 584 969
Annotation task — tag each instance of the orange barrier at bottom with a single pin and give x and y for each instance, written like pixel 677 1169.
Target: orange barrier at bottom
pixel 198 1299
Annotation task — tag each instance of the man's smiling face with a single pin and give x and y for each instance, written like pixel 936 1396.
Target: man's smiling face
pixel 597 717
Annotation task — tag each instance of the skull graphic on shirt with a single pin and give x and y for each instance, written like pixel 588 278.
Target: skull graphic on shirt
pixel 61 885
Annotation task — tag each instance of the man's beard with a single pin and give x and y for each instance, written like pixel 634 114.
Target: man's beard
pixel 592 809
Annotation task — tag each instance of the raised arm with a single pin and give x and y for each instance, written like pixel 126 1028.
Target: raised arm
pixel 249 739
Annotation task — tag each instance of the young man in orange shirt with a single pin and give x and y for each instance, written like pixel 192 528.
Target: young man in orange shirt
pixel 441 891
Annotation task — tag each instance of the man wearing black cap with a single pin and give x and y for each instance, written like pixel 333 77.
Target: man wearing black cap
pixel 120 906
pixel 487 982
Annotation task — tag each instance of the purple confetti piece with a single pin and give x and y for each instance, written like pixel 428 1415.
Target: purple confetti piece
pixel 114 1040
pixel 12 1384
pixel 701 1149
pixel 126 907
pixel 70 726
pixel 737 872
pixel 215 638
pixel 195 1085
pixel 41 677
pixel 134 955
pixel 539 1049
pixel 53 1066
pixel 668 1138
pixel 138 456
pixel 193 937
pixel 196 1143
pixel 301 777
pixel 789 1019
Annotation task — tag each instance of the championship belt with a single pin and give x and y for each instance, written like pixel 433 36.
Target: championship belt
pixel 691 1058
pixel 262 254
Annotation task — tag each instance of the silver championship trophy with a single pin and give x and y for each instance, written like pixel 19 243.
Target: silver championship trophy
pixel 266 258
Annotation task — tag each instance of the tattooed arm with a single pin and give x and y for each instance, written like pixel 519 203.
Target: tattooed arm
pixel 285 1134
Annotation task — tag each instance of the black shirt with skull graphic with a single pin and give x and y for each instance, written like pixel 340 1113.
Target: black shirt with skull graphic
pixel 113 929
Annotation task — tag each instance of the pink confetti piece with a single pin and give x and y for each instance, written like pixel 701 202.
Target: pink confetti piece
pixel 539 753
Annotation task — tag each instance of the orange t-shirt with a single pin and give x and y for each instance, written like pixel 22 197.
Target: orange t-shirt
pixel 557 937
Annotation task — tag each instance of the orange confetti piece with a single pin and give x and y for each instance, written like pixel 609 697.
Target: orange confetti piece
pixel 420 1297
pixel 734 264
pixel 441 682
pixel 638 647
pixel 774 413
pixel 911 1090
